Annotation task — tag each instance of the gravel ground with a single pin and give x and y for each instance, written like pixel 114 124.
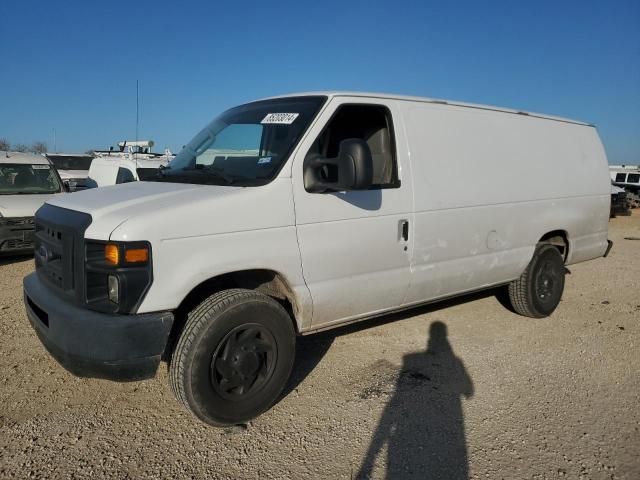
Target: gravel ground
pixel 462 389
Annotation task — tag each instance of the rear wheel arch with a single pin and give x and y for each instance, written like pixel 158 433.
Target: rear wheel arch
pixel 559 239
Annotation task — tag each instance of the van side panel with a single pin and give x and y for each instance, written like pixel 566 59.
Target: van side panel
pixel 214 231
pixel 488 185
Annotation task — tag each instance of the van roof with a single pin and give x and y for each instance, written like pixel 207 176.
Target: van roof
pixel 20 157
pixel 432 100
pixel 117 160
pixel 62 154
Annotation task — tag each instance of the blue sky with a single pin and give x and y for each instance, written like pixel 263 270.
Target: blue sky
pixel 73 66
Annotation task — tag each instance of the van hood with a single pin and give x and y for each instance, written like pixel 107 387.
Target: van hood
pixel 73 174
pixel 161 210
pixel 22 205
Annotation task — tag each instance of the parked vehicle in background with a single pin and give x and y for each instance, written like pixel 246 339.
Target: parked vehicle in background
pixel 140 150
pixel 107 171
pixel 26 182
pixel 627 177
pixel 73 168
pixel 299 213
pixel 620 205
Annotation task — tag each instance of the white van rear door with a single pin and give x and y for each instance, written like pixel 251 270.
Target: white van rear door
pixel 355 256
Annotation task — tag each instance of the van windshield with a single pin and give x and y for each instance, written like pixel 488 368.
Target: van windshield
pixel 246 145
pixel 71 162
pixel 20 178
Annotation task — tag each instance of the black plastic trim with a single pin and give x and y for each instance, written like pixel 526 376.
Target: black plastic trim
pixel 67 243
pixel 93 344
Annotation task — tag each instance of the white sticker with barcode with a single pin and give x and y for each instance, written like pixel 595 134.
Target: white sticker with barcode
pixel 279 118
pixel 40 167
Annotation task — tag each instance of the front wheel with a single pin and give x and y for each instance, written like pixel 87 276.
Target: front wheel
pixel 233 358
pixel 539 289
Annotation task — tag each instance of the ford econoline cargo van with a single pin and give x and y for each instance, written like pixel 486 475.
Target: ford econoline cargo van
pixel 294 214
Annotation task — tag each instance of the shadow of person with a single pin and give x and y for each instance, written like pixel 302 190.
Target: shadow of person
pixel 422 426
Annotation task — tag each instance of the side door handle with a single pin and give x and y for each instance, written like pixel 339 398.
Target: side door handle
pixel 404 230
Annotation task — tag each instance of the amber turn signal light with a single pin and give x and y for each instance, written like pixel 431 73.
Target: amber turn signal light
pixel 112 254
pixel 136 255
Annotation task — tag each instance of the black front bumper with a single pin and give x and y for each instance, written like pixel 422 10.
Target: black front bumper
pixel 94 344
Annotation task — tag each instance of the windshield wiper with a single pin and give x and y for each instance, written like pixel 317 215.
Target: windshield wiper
pixel 199 172
pixel 196 179
pixel 219 172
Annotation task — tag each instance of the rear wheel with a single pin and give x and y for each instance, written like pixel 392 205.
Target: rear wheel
pixel 539 289
pixel 233 358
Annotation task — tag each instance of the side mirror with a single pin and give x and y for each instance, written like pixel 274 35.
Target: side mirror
pixel 352 169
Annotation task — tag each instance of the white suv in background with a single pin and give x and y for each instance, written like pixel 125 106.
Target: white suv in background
pixel 26 182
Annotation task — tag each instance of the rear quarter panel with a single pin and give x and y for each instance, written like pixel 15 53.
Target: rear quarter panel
pixel 488 185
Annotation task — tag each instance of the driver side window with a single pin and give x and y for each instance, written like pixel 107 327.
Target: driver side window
pixel 371 123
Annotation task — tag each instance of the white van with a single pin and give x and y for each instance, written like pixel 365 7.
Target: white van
pixel 26 182
pixel 626 176
pixel 105 171
pixel 73 168
pixel 294 214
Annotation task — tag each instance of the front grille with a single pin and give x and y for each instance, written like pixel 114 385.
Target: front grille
pixel 58 249
pixel 25 222
pixel 15 244
pixel 54 258
pixel 16 233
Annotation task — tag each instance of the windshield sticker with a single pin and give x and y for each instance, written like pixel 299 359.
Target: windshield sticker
pixel 40 167
pixel 279 118
pixel 264 160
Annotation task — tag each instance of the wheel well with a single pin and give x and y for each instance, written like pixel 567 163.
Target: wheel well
pixel 559 239
pixel 264 281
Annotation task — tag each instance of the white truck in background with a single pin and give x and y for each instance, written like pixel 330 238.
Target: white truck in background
pixel 115 170
pixel 299 213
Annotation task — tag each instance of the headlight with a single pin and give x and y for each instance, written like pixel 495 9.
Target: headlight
pixel 114 289
pixel 117 275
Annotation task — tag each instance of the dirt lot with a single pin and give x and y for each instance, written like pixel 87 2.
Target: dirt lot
pixel 465 389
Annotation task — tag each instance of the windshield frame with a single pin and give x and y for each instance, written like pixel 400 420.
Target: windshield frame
pixel 315 104
pixel 61 185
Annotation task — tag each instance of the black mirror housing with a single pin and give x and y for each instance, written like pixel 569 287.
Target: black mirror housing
pixel 352 169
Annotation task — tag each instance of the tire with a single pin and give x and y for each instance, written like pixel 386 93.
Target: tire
pixel 539 289
pixel 233 358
